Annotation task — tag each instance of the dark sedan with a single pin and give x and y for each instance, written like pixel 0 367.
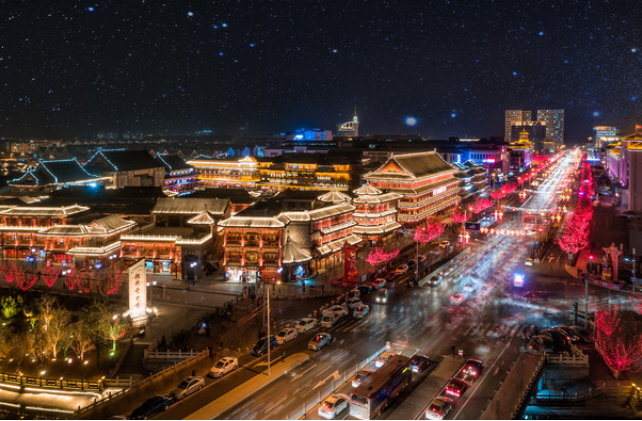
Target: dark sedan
pixel 152 406
pixel 418 363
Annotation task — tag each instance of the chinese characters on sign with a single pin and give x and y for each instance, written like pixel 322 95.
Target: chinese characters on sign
pixel 138 293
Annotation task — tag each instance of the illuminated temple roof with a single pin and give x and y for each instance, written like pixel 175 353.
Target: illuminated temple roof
pixel 334 196
pixel 293 253
pixel 412 166
pixel 633 141
pixel 191 206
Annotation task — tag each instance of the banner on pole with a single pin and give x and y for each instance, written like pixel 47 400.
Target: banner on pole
pixel 138 293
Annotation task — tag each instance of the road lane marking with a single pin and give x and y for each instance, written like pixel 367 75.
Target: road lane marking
pixel 480 381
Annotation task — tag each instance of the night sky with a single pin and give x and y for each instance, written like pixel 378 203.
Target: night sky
pixel 72 68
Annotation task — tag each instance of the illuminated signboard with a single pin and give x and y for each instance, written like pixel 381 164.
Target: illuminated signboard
pixel 440 190
pixel 138 293
pixel 518 280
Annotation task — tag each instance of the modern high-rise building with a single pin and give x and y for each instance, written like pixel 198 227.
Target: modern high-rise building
pixel 603 135
pixel 515 118
pixel 554 123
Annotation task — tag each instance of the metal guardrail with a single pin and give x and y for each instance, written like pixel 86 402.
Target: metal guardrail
pixel 167 355
pixel 573 360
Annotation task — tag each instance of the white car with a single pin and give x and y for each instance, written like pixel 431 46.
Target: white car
pixel 333 405
pixel 188 386
pixel 340 310
pixel 439 408
pixel 286 335
pixel 361 312
pixel 306 324
pixel 382 296
pixel 319 341
pixel 354 293
pixel 402 269
pixel 353 302
pixel 444 244
pixel 224 366
pixel 528 262
pixel 379 283
pixel 469 287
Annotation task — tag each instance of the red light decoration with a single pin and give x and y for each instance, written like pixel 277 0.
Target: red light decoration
pixel 619 342
pixel 50 275
pixel 111 284
pixel 25 281
pixel 429 233
pixel 378 255
pixel 83 281
pixel 482 204
pixel 10 272
pixel 459 217
pixel 71 280
pixel 575 235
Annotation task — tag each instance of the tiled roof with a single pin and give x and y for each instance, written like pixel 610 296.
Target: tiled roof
pixel 173 162
pixel 412 166
pixel 55 172
pixel 190 206
pixel 123 160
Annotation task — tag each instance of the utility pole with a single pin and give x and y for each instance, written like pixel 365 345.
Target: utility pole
pixel 269 338
pixel 586 300
pixel 634 279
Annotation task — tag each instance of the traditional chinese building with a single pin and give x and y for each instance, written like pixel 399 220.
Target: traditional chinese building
pixel 91 245
pixel 375 214
pixel 474 180
pixel 181 239
pixel 127 168
pixel 179 175
pixel 521 154
pixel 290 235
pixel 48 176
pixel 230 172
pixel 307 171
pixel 426 182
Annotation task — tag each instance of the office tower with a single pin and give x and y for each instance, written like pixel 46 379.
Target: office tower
pixel 514 118
pixel 554 123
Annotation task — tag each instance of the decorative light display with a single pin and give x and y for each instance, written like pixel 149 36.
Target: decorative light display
pixel 83 281
pixel 10 272
pixel 619 343
pixel 379 255
pixel 50 275
pixel 429 233
pixel 25 281
pixel 111 284
pixel 575 235
pixel 459 217
pixel 481 204
pixel 70 280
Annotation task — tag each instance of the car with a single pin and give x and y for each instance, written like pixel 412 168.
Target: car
pixel 286 335
pixel 381 359
pixel 360 377
pixel 364 289
pixel 319 341
pixel 188 386
pixel 575 334
pixel 418 363
pixel 354 293
pixel 422 258
pixel 223 366
pixel 469 287
pixel 401 269
pixel 379 283
pixel 444 244
pixel 261 346
pixel 473 368
pixel 339 310
pixel 439 408
pixel 152 406
pixel 361 311
pixel 559 338
pixel 435 281
pixel 333 405
pixel 458 297
pixel 353 302
pixel 528 262
pixel 382 296
pixel 456 387
pixel 306 324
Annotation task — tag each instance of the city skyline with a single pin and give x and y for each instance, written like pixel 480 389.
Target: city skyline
pixel 85 68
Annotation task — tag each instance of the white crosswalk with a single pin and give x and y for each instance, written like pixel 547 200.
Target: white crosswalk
pixel 496 330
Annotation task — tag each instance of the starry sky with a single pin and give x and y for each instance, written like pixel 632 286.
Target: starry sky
pixel 75 68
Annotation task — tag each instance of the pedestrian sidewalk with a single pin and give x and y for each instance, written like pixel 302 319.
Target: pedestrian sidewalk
pixel 249 388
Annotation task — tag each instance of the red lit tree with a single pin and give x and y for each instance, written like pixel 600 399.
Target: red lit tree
pixel 497 194
pixel 111 284
pixel 25 281
pixel 481 204
pixel 379 255
pixel 429 233
pixel 50 275
pixel 459 217
pixel 83 281
pixel 619 339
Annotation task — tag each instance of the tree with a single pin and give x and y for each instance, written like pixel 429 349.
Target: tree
pixel 429 233
pixel 379 255
pixel 103 323
pixel 459 217
pixel 45 308
pixel 481 204
pixel 619 339
pixel 81 339
pixel 11 306
pixel 57 331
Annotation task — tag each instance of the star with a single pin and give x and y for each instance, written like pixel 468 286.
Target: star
pixel 411 121
pixel 190 14
pixel 90 9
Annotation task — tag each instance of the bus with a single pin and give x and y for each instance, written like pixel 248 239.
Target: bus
pixel 372 396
